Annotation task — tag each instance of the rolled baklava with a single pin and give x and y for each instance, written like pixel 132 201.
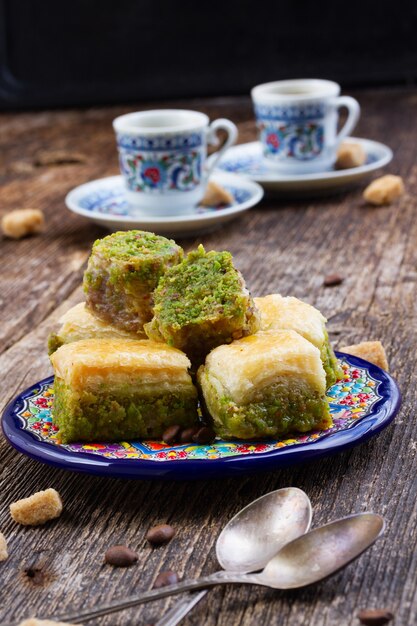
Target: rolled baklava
pixel 265 386
pixel 123 270
pixel 202 303
pixel 78 323
pixel 117 389
pixel 288 313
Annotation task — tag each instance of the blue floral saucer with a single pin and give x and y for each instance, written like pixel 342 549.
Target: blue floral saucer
pixel 364 402
pixel 247 160
pixel 104 202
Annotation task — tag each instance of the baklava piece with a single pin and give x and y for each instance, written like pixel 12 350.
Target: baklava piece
pixel 78 323
pixel 117 389
pixel 372 351
pixel 37 509
pixel 123 270
pixel 265 386
pixel 288 313
pixel 202 303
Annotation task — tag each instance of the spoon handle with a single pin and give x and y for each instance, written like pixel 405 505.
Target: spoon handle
pixel 181 609
pixel 219 578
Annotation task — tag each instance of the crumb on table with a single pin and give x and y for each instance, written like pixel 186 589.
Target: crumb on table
pixel 384 190
pixel 3 548
pixel 22 222
pixel 37 509
pixel 216 194
pixel 350 155
pixel 372 351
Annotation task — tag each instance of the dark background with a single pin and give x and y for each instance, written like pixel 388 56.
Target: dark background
pixel 75 52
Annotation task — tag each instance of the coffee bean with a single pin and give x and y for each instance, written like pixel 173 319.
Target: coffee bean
pixel 332 280
pixel 204 436
pixel 375 617
pixel 120 556
pixel 157 535
pixel 165 578
pixel 171 434
pixel 187 434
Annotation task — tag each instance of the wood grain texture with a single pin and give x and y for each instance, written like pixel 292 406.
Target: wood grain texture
pixel 286 246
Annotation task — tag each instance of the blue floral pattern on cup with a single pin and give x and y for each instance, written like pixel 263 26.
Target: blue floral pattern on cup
pixel 160 164
pixel 299 141
pixel 291 132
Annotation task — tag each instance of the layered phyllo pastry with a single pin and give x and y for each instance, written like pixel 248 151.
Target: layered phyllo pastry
pixel 287 313
pixel 202 303
pixel 265 386
pixel 123 270
pixel 79 323
pixel 117 389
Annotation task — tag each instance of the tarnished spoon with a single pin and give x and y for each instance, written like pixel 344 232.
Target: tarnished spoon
pixel 304 561
pixel 251 538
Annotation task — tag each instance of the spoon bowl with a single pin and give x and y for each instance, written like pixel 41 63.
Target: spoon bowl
pixel 255 534
pixel 322 552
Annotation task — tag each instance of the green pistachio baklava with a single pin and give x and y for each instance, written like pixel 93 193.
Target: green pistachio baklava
pixel 202 303
pixel 123 270
pixel 265 386
pixel 287 313
pixel 118 389
pixel 78 323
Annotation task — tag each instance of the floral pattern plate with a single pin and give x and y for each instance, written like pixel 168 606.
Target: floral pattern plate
pixel 363 403
pixel 104 202
pixel 248 161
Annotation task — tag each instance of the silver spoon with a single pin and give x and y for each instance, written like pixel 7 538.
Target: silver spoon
pixel 251 538
pixel 304 561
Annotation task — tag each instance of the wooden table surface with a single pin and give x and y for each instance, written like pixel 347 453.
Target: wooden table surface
pixel 284 246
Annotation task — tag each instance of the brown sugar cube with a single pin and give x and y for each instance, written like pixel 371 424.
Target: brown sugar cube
pixel 350 155
pixel 3 548
pixel 216 194
pixel 22 222
pixel 384 190
pixel 372 351
pixel 37 509
pixel 33 621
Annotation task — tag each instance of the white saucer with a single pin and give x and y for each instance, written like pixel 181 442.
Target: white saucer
pixel 104 202
pixel 247 160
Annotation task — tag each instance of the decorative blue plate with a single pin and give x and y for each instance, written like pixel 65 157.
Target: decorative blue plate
pixel 363 403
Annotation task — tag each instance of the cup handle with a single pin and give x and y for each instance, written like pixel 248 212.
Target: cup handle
pixel 232 132
pixel 354 110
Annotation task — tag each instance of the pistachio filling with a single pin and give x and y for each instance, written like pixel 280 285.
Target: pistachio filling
pixel 123 270
pixel 54 342
pixel 285 406
pixel 202 303
pixel 330 363
pixel 84 415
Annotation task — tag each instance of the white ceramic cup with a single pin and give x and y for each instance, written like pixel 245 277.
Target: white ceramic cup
pixel 297 122
pixel 162 156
